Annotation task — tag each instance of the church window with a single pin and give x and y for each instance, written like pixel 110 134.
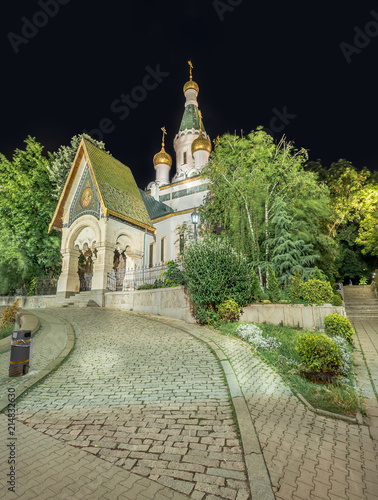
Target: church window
pixel 184 158
pixel 151 255
pixel 162 249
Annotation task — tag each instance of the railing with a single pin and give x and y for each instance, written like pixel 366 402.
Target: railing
pixel 133 278
pixel 44 286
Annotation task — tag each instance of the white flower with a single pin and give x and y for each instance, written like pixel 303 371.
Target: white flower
pixel 253 335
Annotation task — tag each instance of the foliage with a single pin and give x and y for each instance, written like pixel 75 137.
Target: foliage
pixel 61 162
pixel 326 393
pixel 336 324
pixel 9 314
pixel 255 286
pixel 295 290
pixel 214 272
pixel 363 281
pixel 26 208
pixel 273 289
pixel 337 300
pixel 345 354
pixel 288 252
pixel 317 292
pixel 246 175
pixel 319 353
pixel 229 310
pixel 253 335
pixel 6 330
pixel 173 276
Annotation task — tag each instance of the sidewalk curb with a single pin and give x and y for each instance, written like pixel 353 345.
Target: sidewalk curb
pixel 257 471
pixel 21 389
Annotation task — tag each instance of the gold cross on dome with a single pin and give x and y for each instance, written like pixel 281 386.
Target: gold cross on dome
pixel 164 133
pixel 200 121
pixel 190 68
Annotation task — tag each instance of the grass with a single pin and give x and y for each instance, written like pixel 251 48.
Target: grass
pixel 6 330
pixel 336 396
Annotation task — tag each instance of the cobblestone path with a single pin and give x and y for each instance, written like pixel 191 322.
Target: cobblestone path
pixel 145 397
pixel 309 457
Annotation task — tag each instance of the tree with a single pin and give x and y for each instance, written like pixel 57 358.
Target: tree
pixel 288 252
pixel 245 176
pixel 273 289
pixel 26 209
pixel 61 162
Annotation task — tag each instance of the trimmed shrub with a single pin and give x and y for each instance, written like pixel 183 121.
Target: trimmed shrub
pixel 336 324
pixel 215 272
pixel 273 289
pixel 319 353
pixel 9 314
pixel 229 311
pixel 317 292
pixel 337 300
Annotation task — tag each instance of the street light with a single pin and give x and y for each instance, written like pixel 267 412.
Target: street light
pixel 195 221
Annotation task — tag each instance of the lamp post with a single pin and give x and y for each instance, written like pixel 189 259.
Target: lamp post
pixel 195 220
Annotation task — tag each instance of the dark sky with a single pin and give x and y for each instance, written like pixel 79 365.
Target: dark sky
pixel 253 61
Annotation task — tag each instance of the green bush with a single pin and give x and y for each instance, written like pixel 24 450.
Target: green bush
pixel 273 289
pixel 214 272
pixel 229 311
pixel 172 276
pixel 317 292
pixel 319 353
pixel 336 324
pixel 337 300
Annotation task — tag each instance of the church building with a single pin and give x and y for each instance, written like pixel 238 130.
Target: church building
pixel 110 227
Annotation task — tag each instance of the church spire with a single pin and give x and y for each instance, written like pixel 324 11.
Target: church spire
pixel 162 162
pixel 191 84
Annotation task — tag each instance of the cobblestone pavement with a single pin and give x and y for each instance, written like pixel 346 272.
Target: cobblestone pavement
pixel 48 343
pixel 309 457
pixel 146 397
pixel 367 359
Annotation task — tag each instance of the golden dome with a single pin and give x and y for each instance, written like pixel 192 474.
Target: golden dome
pixel 191 84
pixel 201 143
pixel 162 157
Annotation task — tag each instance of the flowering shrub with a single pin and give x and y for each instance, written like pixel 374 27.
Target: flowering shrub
pixel 346 358
pixel 229 310
pixel 319 353
pixel 253 335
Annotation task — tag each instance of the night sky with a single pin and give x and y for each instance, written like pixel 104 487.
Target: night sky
pixel 275 64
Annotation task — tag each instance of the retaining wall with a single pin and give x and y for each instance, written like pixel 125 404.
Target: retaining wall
pixel 298 315
pixel 172 302
pixel 32 302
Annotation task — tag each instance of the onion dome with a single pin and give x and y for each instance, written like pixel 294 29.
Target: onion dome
pixel 201 143
pixel 162 156
pixel 191 84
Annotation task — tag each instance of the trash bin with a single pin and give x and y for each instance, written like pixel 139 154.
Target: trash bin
pixel 20 353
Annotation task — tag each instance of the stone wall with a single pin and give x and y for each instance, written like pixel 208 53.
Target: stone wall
pixel 172 302
pixel 33 302
pixel 298 315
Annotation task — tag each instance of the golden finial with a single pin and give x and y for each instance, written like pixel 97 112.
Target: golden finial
pixel 190 69
pixel 200 117
pixel 164 133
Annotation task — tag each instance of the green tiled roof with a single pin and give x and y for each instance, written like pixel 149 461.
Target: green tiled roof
pixel 191 118
pixel 117 185
pixel 155 208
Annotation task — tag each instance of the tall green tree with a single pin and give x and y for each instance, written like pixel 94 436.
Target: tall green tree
pixel 246 176
pixel 26 207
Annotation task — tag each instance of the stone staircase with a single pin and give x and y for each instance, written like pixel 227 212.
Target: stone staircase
pixel 80 299
pixel 360 302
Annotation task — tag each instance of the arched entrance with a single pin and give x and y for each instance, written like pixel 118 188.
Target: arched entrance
pixel 85 267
